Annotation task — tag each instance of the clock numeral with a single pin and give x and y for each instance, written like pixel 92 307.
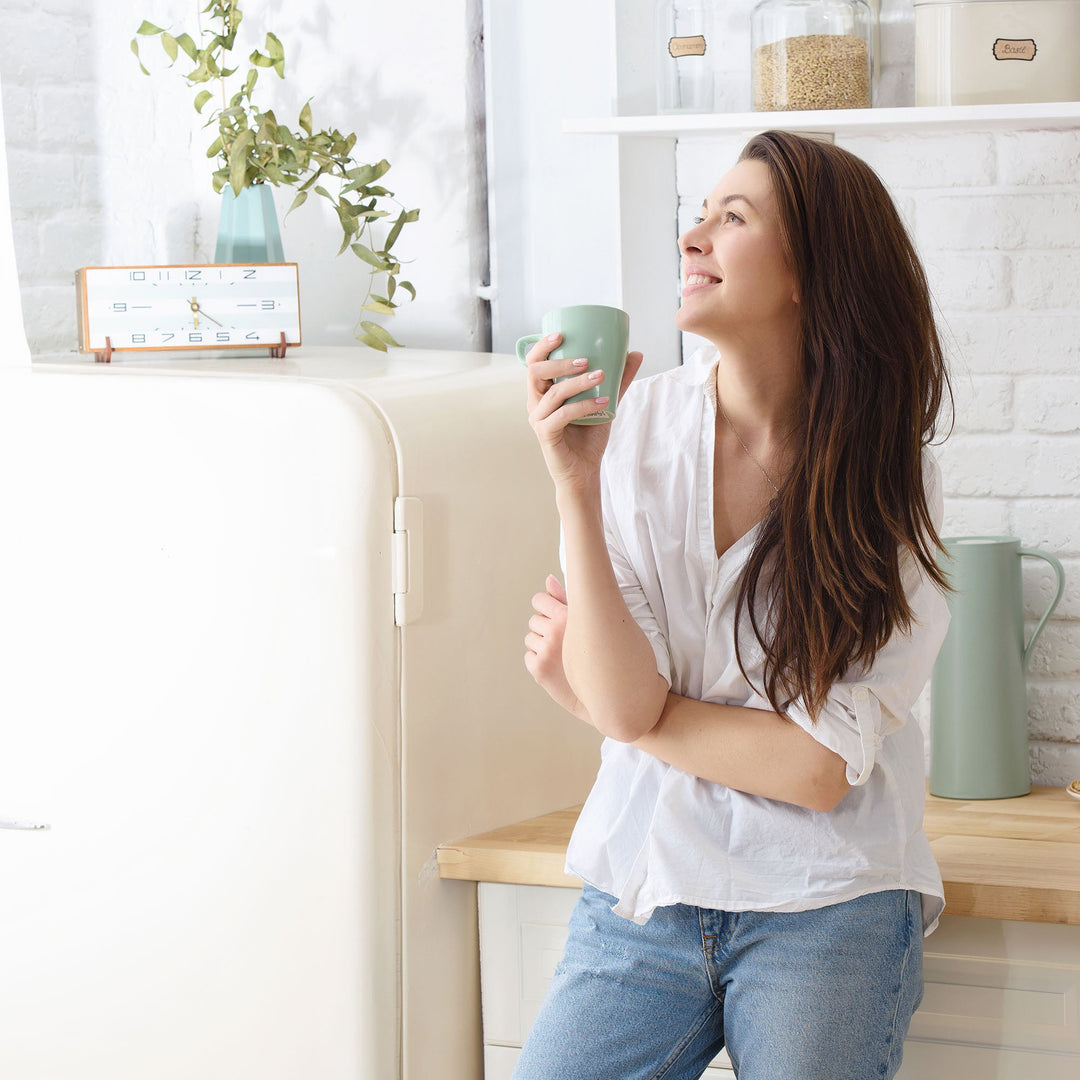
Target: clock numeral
pixel 248 274
pixel 192 275
pixel 137 275
pixel 194 337
pixel 224 335
pixel 119 307
pixel 138 339
pixel 253 336
pixel 167 337
pixel 268 305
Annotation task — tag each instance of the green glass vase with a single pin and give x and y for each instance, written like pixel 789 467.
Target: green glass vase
pixel 248 227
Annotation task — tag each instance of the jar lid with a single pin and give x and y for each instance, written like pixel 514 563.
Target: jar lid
pixel 1004 3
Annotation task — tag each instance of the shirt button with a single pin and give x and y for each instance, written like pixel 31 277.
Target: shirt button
pixel 861 694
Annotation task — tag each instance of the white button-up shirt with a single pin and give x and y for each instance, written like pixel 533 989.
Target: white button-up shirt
pixel 653 835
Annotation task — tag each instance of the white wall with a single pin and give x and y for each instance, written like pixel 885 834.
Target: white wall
pixel 109 166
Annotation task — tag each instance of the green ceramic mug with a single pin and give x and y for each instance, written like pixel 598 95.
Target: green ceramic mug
pixel 602 335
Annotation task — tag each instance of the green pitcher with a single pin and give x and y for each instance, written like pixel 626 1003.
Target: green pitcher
pixel 978 691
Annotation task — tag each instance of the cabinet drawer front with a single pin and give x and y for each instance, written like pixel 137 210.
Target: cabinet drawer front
pixel 1008 985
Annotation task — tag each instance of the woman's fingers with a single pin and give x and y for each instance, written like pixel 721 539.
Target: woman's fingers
pixel 633 366
pixel 543 371
pixel 553 395
pixel 555 589
pixel 554 411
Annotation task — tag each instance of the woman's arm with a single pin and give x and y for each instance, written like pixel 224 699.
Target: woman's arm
pixel 752 750
pixel 608 662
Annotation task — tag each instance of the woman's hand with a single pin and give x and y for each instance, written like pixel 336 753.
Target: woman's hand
pixel 572 452
pixel 543 644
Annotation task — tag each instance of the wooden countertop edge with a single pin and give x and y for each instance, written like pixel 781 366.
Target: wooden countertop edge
pixel 533 852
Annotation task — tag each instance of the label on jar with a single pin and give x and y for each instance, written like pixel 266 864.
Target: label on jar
pixel 1014 49
pixel 686 46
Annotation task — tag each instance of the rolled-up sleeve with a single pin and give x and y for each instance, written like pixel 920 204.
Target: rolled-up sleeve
pixel 865 707
pixel 639 607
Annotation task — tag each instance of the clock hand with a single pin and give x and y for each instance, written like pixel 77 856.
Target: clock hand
pixel 196 311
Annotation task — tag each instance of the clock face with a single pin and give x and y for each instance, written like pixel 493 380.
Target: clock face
pixel 211 306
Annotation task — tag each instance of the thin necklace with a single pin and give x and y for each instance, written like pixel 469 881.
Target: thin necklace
pixel 735 432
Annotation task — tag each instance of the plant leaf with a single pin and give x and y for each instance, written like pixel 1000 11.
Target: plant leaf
pixel 395 231
pixel 135 50
pixel 149 28
pixel 201 98
pixel 168 43
pixel 369 256
pixel 376 331
pixel 185 43
pixel 408 287
pixel 378 306
pixel 301 198
pixel 237 175
pixel 274 47
pixel 215 148
pixel 305 118
pixel 371 342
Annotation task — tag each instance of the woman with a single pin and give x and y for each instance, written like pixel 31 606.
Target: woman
pixel 754 606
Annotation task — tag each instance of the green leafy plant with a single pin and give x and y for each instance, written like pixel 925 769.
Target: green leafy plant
pixel 252 147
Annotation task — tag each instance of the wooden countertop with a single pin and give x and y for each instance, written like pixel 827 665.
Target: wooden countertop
pixel 1000 859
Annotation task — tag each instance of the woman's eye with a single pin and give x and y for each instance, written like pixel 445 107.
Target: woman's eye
pixel 698 220
pixel 731 216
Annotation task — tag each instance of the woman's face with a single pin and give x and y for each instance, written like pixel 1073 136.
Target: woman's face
pixel 737 285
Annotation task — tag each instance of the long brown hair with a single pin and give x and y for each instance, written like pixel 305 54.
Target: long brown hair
pixel 852 510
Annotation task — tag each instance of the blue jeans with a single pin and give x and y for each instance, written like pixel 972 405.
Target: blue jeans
pixel 825 994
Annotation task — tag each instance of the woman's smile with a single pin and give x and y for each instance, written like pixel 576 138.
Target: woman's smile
pixel 695 279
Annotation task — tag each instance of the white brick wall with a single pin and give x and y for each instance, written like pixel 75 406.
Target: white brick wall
pixel 50 124
pixel 996 218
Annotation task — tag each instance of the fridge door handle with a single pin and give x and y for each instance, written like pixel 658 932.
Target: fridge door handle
pixel 24 826
pixel 407 553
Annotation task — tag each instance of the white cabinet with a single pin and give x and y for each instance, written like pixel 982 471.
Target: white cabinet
pixel 1002 999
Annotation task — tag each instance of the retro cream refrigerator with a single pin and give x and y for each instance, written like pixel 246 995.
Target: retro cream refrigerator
pixel 261 633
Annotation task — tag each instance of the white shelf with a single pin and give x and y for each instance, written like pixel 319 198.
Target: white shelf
pixel 929 118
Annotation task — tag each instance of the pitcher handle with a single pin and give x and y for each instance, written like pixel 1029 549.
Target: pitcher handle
pixel 1032 553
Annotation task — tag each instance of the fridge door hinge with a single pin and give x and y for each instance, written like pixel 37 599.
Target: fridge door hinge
pixel 407 559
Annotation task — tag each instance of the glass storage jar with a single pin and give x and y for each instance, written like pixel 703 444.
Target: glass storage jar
pixel 685 59
pixel 811 54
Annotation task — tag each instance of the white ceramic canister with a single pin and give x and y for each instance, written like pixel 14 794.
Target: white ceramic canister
pixel 983 52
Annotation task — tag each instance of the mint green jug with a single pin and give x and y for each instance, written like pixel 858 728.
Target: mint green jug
pixel 978 690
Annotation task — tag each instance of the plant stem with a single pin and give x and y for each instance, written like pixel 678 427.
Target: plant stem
pixel 224 32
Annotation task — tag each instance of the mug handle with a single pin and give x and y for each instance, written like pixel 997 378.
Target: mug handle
pixel 1032 553
pixel 525 344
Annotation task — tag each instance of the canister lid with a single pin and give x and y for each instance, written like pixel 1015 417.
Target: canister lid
pixel 1004 3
